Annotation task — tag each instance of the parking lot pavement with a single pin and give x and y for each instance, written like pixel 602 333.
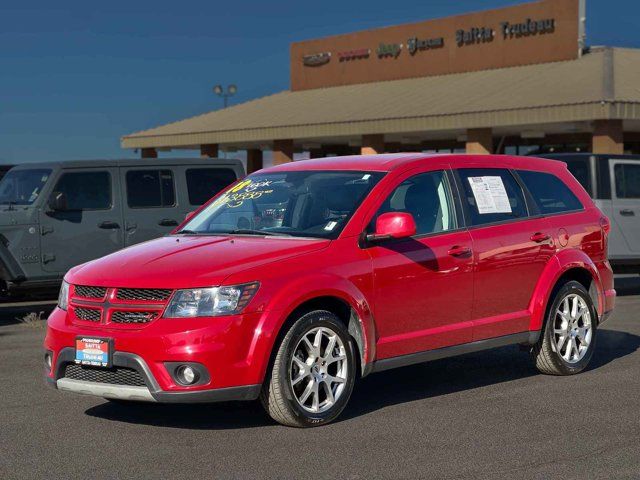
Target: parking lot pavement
pixel 484 415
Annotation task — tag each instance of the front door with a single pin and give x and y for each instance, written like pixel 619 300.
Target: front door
pixel 423 284
pixel 626 202
pixel 90 226
pixel 151 208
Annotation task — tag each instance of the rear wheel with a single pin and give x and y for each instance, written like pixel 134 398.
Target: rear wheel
pixel 568 339
pixel 313 373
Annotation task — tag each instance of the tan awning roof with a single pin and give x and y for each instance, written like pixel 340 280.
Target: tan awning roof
pixel 602 84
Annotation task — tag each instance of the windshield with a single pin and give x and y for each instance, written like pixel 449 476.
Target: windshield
pixel 22 187
pixel 301 204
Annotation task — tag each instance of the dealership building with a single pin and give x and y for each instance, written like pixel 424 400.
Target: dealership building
pixel 513 80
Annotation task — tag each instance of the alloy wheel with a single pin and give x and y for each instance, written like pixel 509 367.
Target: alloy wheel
pixel 319 370
pixel 572 328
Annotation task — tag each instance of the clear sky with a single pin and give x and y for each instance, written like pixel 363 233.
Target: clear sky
pixel 77 75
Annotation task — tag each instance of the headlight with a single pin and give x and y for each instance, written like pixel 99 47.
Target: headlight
pixel 210 302
pixel 63 297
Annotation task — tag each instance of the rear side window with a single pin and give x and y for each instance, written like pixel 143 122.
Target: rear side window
pixel 204 183
pixel 86 190
pixel 492 195
pixel 150 188
pixel 549 192
pixel 580 169
pixel 627 180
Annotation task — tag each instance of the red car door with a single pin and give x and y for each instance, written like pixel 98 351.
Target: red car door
pixel 511 248
pixel 424 284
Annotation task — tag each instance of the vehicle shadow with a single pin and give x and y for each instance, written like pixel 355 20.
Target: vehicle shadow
pixel 393 387
pixel 626 286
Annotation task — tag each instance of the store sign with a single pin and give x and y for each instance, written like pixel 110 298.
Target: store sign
pixel 474 35
pixel 358 54
pixel 389 50
pixel 316 59
pixel 416 44
pixel 528 27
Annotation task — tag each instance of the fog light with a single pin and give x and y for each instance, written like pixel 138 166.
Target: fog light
pixel 186 375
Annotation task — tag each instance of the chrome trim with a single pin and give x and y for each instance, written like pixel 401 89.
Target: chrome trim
pixel 105 390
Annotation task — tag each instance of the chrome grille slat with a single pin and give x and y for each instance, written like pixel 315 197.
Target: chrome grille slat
pixel 145 294
pixel 115 376
pixel 90 292
pixel 88 314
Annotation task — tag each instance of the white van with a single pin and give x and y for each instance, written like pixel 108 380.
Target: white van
pixel 613 181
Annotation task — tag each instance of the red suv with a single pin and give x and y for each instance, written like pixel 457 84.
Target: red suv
pixel 299 279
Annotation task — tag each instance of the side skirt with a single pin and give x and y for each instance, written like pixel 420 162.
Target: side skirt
pixel 528 338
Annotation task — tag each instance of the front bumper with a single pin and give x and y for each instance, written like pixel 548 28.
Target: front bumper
pixel 151 392
pixel 233 351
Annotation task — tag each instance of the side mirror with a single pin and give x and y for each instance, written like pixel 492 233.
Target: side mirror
pixel 189 215
pixel 58 202
pixel 393 225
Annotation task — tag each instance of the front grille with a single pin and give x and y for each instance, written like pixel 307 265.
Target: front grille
pixel 90 292
pixel 88 314
pixel 114 376
pixel 120 316
pixel 147 294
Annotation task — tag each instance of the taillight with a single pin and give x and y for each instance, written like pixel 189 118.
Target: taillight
pixel 605 224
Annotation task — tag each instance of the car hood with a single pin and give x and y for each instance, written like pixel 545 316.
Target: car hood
pixel 188 261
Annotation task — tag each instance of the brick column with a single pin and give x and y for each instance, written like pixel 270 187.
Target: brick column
pixel 282 151
pixel 209 150
pixel 607 137
pixel 372 144
pixel 479 141
pixel 254 160
pixel 148 153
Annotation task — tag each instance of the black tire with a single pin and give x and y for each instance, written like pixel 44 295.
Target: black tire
pixel 544 354
pixel 278 396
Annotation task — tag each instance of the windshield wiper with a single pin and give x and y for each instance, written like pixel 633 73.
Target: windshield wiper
pixel 250 231
pixel 188 232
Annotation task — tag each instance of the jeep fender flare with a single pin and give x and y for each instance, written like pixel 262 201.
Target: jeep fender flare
pixel 562 262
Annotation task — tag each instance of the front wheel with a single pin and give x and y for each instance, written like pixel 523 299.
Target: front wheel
pixel 313 372
pixel 568 338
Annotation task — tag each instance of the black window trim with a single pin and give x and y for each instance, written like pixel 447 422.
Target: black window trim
pixel 152 169
pixel 467 213
pixel 64 172
pixel 539 213
pixel 457 210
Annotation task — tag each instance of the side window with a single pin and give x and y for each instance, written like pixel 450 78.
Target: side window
pixel 204 183
pixel 86 190
pixel 549 192
pixel 492 195
pixel 627 180
pixel 428 198
pixel 150 188
pixel 582 171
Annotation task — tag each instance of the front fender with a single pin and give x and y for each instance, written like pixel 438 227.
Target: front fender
pixel 299 291
pixel 562 262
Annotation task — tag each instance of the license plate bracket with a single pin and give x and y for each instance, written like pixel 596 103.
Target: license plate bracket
pixel 94 351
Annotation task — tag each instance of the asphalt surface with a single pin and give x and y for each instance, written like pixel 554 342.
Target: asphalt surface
pixel 484 415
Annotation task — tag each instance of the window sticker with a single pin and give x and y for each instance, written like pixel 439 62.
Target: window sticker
pixel 330 226
pixel 490 195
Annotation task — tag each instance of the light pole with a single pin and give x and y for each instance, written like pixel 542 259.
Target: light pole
pixel 231 91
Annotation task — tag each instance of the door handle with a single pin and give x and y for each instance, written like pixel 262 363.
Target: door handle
pixel 108 225
pixel 168 222
pixel 627 213
pixel 540 237
pixel 459 251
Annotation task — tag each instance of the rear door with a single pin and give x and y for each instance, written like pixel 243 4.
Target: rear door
pixel 625 210
pixel 150 204
pixel 91 227
pixel 510 247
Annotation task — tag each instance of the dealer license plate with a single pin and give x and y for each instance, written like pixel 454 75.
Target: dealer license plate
pixel 93 351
